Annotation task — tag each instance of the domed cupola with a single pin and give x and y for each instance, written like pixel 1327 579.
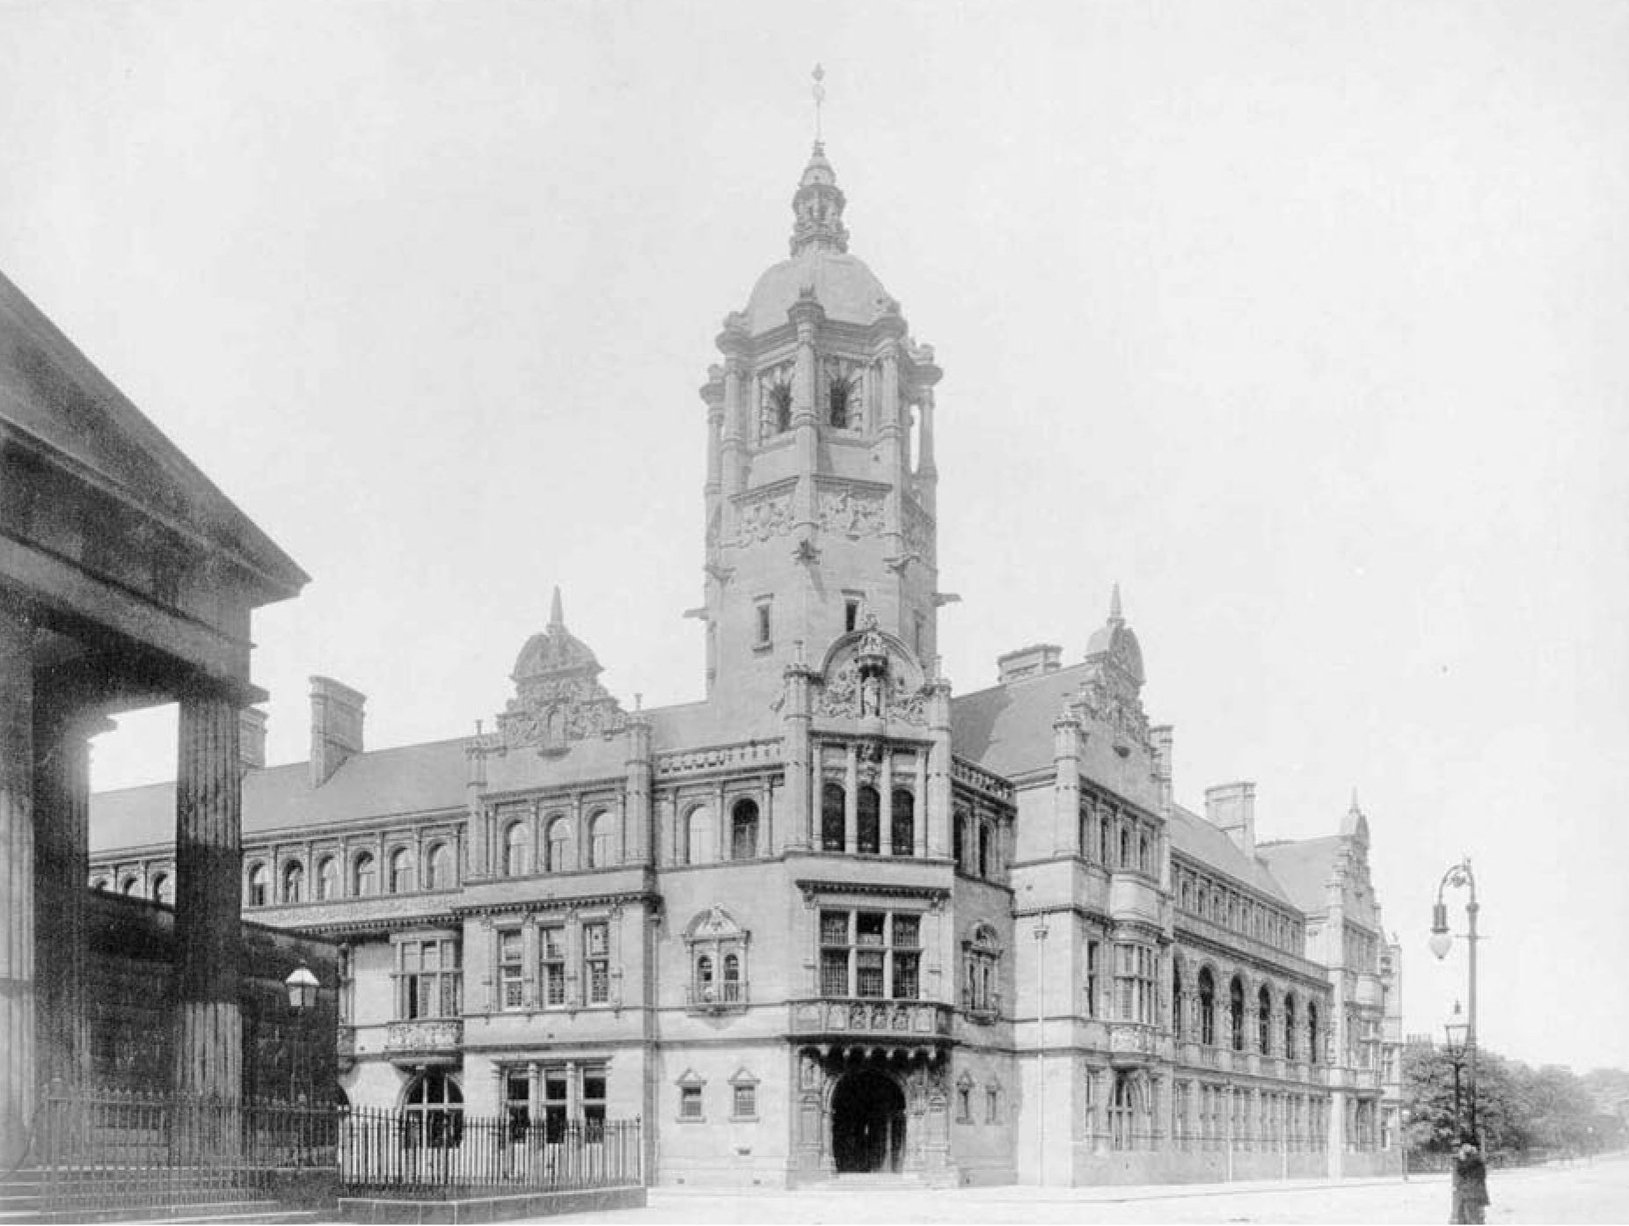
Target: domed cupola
pixel 1111 694
pixel 820 264
pixel 558 697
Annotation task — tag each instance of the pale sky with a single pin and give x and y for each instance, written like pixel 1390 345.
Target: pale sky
pixel 1306 323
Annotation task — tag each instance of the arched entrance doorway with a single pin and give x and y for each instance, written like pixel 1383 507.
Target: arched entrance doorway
pixel 867 1123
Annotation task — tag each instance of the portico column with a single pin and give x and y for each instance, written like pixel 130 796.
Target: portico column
pixel 62 872
pixel 16 887
pixel 208 900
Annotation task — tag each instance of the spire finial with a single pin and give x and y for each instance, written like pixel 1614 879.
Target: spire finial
pixel 1114 605
pixel 1355 808
pixel 557 619
pixel 819 91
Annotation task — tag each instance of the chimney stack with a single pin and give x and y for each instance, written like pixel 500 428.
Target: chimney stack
pixel 1231 807
pixel 336 727
pixel 1029 661
pixel 252 738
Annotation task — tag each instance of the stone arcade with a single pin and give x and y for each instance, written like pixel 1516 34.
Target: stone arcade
pixel 831 918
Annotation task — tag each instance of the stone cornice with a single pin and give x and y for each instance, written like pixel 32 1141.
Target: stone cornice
pixel 897 889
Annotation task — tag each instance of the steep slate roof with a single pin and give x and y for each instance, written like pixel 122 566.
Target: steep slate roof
pixel 1304 866
pixel 406 779
pixel 409 779
pixel 1197 839
pixel 1008 728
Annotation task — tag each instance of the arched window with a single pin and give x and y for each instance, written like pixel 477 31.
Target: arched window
pixel 985 865
pixel 744 830
pixel 833 804
pixel 1264 1020
pixel 601 833
pixel 868 821
pixel 401 871
pixel 699 833
pixel 1125 847
pixel 705 991
pixel 732 977
pixel 257 886
pixel 1289 1027
pixel 128 887
pixel 1207 1007
pixel 839 396
pixel 364 875
pixel 101 883
pixel 327 878
pixel 1235 1012
pixel 958 839
pixel 557 845
pixel 1142 854
pixel 1105 835
pixel 902 836
pixel 780 408
pixel 1187 895
pixel 1123 1111
pixel 162 889
pixel 293 881
pixel 1178 1001
pixel 434 1107
pixel 438 872
pixel 516 850
pixel 981 992
pixel 1312 1033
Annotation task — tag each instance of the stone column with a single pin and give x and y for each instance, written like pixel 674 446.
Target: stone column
pixel 851 800
pixel 208 900
pixel 16 886
pixel 1065 784
pixel 637 844
pixel 61 873
pixel 937 810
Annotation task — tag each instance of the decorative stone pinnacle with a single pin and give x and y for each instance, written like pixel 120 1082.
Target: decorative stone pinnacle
pixel 1114 605
pixel 817 207
pixel 557 618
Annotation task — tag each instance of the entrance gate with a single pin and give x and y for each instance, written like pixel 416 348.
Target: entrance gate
pixel 867 1123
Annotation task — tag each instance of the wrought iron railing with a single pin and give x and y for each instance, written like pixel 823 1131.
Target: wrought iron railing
pixel 443 1152
pixel 133 1151
pixel 119 1150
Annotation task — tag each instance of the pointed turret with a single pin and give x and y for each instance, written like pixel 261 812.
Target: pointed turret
pixel 1116 617
pixel 817 207
pixel 557 617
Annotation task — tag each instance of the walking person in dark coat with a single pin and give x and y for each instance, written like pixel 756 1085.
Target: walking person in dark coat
pixel 1470 1185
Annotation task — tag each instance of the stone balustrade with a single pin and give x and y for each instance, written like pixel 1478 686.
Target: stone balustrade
pixel 909 1021
pixel 437 1036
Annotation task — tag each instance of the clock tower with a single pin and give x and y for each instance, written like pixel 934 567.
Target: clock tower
pixel 820 474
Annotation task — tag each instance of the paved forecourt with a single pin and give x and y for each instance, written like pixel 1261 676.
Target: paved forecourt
pixel 1577 1192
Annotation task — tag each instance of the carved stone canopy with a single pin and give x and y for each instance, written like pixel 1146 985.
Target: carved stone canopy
pixel 1112 690
pixel 558 697
pixel 871 674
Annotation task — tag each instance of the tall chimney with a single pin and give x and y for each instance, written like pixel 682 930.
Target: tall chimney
pixel 252 738
pixel 336 727
pixel 1231 807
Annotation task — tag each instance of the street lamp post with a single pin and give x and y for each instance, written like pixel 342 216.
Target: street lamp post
pixel 1041 934
pixel 1460 876
pixel 301 986
pixel 1456 1031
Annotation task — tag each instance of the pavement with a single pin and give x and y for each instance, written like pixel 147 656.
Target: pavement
pixel 1583 1192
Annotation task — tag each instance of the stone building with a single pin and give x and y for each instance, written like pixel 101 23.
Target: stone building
pixel 127 579
pixel 831 918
